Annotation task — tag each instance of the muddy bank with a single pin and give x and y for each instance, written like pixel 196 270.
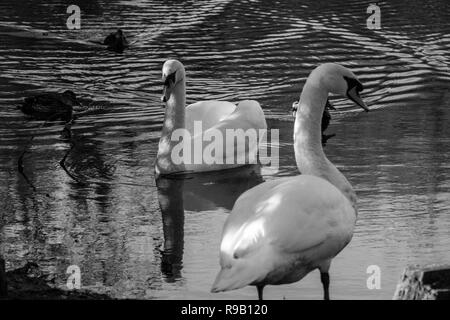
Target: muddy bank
pixel 28 283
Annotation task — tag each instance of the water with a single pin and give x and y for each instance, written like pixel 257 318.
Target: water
pixel 133 238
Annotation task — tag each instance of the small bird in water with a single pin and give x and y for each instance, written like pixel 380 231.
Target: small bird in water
pixel 326 118
pixel 51 105
pixel 116 41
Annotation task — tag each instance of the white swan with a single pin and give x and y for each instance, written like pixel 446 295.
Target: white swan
pixel 281 230
pixel 217 117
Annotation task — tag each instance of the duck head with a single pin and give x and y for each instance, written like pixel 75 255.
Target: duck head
pixel 70 94
pixel 172 73
pixel 69 98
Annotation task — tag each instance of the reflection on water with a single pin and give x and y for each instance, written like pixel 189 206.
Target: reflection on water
pixel 134 237
pixel 170 195
pixel 202 192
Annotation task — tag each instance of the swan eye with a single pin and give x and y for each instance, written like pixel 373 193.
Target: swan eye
pixel 170 79
pixel 353 83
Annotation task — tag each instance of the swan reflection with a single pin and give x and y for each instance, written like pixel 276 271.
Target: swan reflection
pixel 196 193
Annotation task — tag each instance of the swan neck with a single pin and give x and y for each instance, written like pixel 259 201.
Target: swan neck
pixel 309 116
pixel 309 154
pixel 174 119
pixel 175 109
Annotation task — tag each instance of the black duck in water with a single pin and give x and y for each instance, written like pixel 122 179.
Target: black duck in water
pixel 116 41
pixel 51 105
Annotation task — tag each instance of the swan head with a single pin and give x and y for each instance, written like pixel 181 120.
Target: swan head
pixel 339 80
pixel 172 73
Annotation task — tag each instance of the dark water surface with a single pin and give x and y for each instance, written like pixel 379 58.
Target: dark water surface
pixel 133 238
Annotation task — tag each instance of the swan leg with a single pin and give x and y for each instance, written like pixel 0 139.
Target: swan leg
pixel 260 292
pixel 325 278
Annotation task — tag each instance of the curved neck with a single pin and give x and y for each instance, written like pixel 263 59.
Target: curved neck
pixel 309 153
pixel 174 119
pixel 175 109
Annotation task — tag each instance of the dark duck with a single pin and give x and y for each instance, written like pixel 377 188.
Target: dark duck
pixel 116 41
pixel 326 118
pixel 51 105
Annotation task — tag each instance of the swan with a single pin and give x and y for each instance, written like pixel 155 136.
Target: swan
pixel 281 230
pixel 214 117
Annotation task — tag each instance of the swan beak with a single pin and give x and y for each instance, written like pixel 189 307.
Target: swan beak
pixel 169 84
pixel 353 95
pixel 166 94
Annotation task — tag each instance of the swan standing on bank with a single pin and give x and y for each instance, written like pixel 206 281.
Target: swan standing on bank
pixel 215 116
pixel 281 230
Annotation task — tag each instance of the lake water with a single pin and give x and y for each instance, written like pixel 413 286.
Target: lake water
pixel 134 238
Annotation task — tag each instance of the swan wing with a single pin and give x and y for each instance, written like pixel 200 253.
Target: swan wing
pixel 233 134
pixel 223 114
pixel 208 112
pixel 293 214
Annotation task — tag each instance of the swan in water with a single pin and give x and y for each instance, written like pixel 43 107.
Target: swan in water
pixel 281 230
pixel 201 120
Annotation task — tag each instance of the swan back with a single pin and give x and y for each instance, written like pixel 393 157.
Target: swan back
pixel 208 112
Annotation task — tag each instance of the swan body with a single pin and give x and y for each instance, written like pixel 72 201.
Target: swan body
pixel 204 119
pixel 281 230
pixel 278 236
